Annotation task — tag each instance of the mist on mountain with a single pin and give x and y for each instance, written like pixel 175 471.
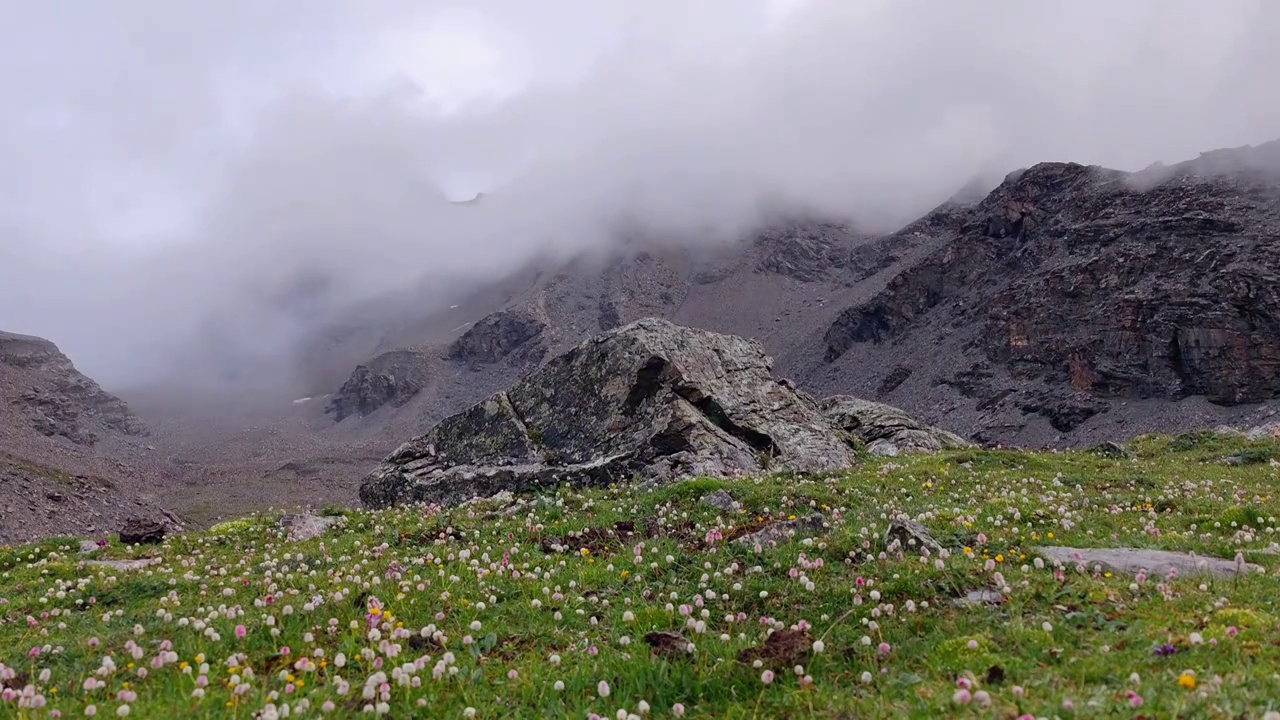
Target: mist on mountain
pixel 193 194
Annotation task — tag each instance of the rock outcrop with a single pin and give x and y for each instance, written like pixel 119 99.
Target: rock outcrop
pixel 44 387
pixel 499 335
pixel 886 430
pixel 650 400
pixel 390 378
pixel 1072 288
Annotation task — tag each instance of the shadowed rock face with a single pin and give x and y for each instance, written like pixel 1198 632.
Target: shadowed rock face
pixel 885 429
pixel 500 335
pixel 651 400
pixel 391 378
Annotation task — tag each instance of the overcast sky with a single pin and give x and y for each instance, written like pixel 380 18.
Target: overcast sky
pixel 163 163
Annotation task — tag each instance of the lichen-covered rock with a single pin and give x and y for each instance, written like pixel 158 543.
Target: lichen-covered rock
pixel 885 429
pixel 650 400
pixel 392 378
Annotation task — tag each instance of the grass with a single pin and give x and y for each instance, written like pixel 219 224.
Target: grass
pixel 537 613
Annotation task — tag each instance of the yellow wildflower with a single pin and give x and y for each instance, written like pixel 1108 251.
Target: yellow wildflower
pixel 1187 680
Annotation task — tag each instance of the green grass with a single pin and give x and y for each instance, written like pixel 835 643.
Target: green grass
pixel 483 612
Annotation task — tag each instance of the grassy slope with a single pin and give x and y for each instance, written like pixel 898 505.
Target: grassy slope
pixel 506 601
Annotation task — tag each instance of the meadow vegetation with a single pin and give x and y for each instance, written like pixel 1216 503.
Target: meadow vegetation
pixel 643 602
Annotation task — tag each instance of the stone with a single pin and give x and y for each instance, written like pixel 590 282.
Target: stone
pixel 305 526
pixel 392 378
pixel 974 598
pixel 722 500
pixel 506 333
pixel 886 430
pixel 650 401
pixel 142 530
pixel 784 531
pixel 1134 560
pixel 1268 431
pixel 125 565
pixel 909 535
pixel 1112 450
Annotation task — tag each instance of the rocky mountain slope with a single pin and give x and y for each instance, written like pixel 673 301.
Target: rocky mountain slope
pixel 1071 292
pixel 72 457
pixel 1067 306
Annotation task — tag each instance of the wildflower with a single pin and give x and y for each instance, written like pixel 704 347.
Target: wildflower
pixel 559 685
pixel 982 698
pixel 961 697
pixel 819 646
pixel 766 677
pixel 1135 700
pixel 470 712
pixel 677 710
pixel 1187 680
pixel 602 689
pixel 240 631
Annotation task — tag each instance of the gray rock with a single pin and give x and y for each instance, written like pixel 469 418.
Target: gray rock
pixel 1113 450
pixel 306 526
pixel 651 401
pixel 88 547
pixel 784 531
pixel 885 429
pixel 979 597
pixel 1269 431
pixel 499 335
pixel 722 500
pixel 140 530
pixel 1135 560
pixel 125 565
pixel 909 535
pixel 392 378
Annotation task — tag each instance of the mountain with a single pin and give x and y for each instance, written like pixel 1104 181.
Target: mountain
pixel 72 456
pixel 1077 302
pixel 1067 305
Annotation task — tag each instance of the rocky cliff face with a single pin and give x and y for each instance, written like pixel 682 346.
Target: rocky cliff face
pixel 1076 286
pixel 70 457
pixel 650 400
pixel 43 387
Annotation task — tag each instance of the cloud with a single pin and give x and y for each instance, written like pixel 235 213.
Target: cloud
pixel 183 180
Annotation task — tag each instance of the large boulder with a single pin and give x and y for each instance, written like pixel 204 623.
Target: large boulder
pixel 885 429
pixel 506 333
pixel 650 400
pixel 392 378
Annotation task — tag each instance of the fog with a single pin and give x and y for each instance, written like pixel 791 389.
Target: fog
pixel 178 179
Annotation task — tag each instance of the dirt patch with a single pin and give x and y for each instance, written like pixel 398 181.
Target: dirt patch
pixel 783 648
pixel 668 644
